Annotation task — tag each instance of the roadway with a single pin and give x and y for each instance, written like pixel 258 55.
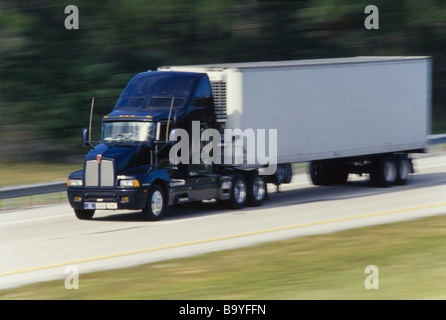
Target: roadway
pixel 38 243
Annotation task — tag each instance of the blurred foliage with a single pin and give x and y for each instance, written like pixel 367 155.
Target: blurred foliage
pixel 49 74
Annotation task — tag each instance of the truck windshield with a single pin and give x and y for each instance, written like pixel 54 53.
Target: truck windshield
pixel 128 132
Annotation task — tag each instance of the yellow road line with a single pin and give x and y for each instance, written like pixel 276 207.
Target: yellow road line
pixel 221 238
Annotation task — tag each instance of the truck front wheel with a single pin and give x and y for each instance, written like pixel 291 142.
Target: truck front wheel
pixel 84 214
pixel 156 204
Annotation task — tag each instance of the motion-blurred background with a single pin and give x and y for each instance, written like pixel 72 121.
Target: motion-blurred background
pixel 48 74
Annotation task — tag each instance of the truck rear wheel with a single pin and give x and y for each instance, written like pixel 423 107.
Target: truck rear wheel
pixel 156 204
pixel 84 214
pixel 256 190
pixel 238 192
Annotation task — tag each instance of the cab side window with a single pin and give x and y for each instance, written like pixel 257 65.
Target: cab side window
pixel 203 94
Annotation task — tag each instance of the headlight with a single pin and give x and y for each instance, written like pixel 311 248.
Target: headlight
pixel 134 183
pixel 74 183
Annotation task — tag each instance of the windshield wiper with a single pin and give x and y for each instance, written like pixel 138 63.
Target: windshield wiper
pixel 120 137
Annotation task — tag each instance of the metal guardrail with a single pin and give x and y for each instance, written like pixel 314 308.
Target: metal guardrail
pixel 436 139
pixel 31 190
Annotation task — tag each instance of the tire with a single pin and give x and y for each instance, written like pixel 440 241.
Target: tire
pixel 320 173
pixel 283 174
pixel 257 190
pixel 239 192
pixel 384 172
pixel 156 204
pixel 84 214
pixel 404 168
pixel 340 176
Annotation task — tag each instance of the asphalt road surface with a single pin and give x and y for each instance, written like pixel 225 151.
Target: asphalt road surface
pixel 40 243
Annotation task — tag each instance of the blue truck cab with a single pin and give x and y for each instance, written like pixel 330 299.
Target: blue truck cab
pixel 130 167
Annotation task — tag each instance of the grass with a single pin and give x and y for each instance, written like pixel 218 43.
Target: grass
pixel 14 174
pixel 35 200
pixel 410 256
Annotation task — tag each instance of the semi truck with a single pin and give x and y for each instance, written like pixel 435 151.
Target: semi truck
pixel 341 116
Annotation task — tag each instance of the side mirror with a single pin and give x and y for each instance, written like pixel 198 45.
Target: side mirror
pixel 85 137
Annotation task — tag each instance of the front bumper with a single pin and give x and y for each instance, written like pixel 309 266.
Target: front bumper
pixel 107 198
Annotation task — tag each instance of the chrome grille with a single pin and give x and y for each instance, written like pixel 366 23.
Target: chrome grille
pixel 102 174
pixel 107 173
pixel 91 173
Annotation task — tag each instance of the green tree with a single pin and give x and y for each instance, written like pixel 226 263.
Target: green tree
pixel 49 74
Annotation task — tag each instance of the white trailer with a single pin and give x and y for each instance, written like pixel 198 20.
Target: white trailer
pixel 344 115
pixel 351 115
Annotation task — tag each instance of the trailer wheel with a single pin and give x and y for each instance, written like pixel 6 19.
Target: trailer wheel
pixel 384 172
pixel 238 192
pixel 156 204
pixel 256 190
pixel 320 173
pixel 404 167
pixel 84 214
pixel 340 176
